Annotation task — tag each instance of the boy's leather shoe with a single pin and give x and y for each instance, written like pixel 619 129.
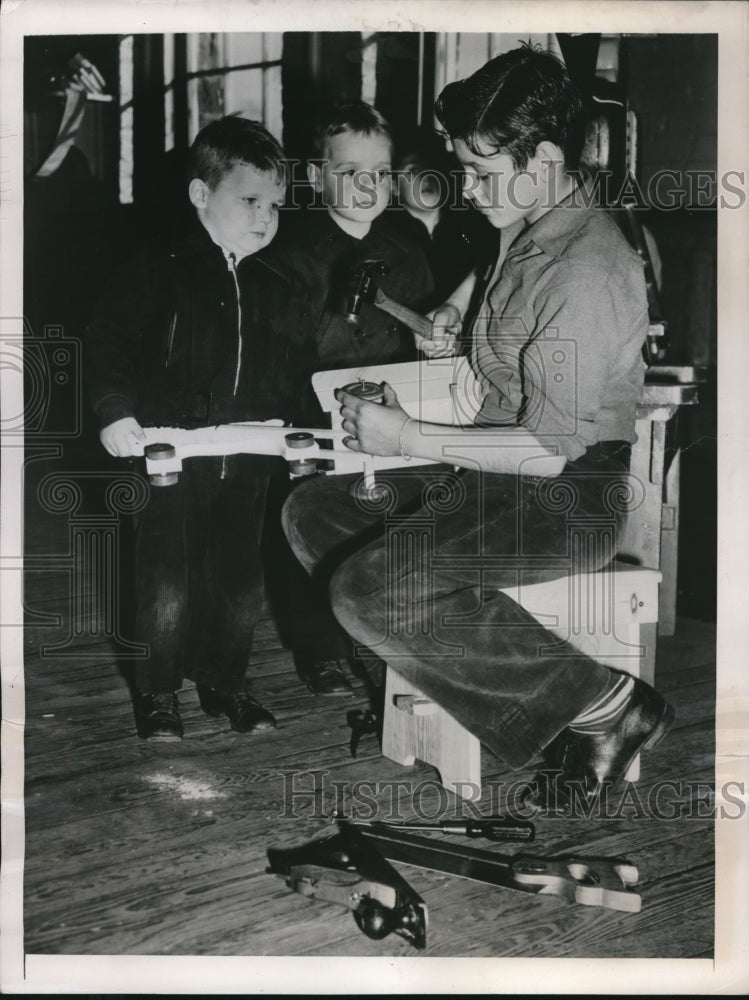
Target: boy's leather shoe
pixel 324 677
pixel 245 714
pixel 158 717
pixel 584 766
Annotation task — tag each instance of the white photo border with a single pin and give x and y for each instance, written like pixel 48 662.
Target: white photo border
pixel 729 971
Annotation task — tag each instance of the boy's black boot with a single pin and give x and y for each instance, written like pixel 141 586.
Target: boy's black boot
pixel 323 676
pixel 158 717
pixel 244 712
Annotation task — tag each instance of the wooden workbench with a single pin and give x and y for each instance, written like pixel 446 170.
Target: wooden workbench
pixel 444 391
pixel 651 534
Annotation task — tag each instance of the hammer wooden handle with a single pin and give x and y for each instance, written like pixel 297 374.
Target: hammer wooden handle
pixel 413 320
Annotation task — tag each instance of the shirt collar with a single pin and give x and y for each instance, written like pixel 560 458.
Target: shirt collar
pixel 322 228
pixel 196 238
pixel 553 231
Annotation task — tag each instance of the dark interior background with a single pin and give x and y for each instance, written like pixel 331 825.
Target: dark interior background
pixel 77 230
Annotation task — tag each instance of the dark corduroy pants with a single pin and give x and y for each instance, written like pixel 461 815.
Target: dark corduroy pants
pixel 198 575
pixel 414 577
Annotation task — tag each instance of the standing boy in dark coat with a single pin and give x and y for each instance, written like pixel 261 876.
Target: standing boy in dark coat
pixel 455 238
pixel 351 176
pixel 195 336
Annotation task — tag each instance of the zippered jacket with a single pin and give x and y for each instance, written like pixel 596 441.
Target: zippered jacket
pixel 183 337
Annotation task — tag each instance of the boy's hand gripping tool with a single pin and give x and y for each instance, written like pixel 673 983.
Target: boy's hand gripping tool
pixel 364 288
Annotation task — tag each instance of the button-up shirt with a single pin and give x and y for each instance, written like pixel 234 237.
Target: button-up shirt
pixel 557 342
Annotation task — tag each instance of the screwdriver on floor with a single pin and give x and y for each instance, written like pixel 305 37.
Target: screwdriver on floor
pixel 488 827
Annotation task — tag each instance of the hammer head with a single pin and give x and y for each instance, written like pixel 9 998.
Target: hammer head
pixel 362 288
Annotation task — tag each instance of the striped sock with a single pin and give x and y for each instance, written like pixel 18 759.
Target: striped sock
pixel 602 713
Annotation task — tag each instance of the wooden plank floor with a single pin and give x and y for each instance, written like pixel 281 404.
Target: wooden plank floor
pixel 139 848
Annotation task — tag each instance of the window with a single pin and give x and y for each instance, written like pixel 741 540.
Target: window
pixel 204 76
pixel 126 120
pixel 238 71
pixel 369 68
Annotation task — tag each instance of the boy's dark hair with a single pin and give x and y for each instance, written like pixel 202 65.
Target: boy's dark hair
pixel 352 116
pixel 422 144
pixel 230 140
pixel 513 103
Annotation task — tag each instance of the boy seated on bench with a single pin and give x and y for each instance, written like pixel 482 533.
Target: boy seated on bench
pixel 557 350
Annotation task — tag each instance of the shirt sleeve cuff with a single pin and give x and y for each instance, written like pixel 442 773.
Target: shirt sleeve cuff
pixel 113 408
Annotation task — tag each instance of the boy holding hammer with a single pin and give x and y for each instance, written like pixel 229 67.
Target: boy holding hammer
pixel 350 174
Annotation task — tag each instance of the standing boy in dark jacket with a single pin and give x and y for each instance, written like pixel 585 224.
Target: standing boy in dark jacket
pixel 192 337
pixel 351 176
pixel 431 212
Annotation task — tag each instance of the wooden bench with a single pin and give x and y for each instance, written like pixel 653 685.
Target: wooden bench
pixel 611 615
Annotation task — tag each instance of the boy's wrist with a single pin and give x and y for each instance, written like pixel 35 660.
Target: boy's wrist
pixel 405 454
pixel 408 434
pixel 113 408
pixel 460 297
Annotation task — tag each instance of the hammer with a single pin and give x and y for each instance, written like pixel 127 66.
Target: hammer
pixel 364 288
